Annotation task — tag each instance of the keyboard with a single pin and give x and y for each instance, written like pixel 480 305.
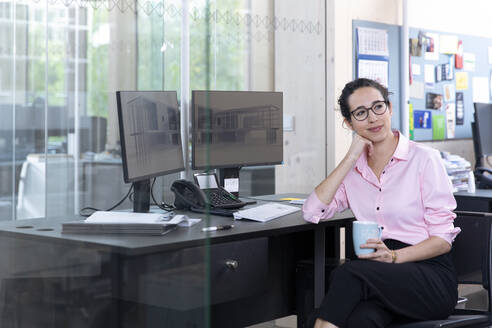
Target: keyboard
pixel 266 212
pixel 213 211
pixel 221 198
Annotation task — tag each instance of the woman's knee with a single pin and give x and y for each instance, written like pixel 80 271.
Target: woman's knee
pixel 369 314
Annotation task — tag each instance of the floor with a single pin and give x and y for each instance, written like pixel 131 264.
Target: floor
pixel 287 322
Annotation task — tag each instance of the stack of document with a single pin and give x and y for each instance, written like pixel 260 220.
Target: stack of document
pixel 103 222
pixel 265 212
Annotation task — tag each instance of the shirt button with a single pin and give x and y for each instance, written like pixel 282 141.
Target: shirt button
pixel 384 172
pixel 322 211
pixel 392 159
pixel 379 189
pixel 377 208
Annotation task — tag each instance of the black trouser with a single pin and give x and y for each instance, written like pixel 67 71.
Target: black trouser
pixel 365 293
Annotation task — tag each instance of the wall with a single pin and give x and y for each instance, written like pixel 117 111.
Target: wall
pixel 383 11
pixel 300 74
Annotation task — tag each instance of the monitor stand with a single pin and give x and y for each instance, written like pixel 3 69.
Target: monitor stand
pixel 229 179
pixel 141 196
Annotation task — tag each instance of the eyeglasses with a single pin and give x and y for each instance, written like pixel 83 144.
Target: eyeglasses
pixel 378 108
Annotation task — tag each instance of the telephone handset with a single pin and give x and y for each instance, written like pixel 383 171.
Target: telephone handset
pixel 188 195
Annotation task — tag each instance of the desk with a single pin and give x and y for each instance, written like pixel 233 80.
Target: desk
pixel 479 201
pixel 162 281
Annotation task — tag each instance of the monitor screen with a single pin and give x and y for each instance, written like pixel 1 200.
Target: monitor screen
pixel 242 128
pixel 150 134
pixel 483 121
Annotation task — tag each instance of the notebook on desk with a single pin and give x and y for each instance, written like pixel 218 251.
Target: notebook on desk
pixel 265 212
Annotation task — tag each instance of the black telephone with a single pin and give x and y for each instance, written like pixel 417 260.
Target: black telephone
pixel 483 176
pixel 189 196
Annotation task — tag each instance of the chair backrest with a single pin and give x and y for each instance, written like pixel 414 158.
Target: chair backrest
pixel 472 249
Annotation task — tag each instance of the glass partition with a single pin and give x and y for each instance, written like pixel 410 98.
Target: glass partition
pixel 62 63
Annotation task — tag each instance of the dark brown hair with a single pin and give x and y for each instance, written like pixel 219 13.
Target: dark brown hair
pixel 357 84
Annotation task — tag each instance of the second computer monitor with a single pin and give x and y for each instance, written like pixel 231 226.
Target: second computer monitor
pixel 236 128
pixel 483 121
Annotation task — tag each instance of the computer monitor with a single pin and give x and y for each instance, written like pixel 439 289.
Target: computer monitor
pixel 483 128
pixel 232 129
pixel 150 136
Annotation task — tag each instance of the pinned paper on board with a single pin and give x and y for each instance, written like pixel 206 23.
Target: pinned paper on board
pixel 433 101
pixel 429 76
pixel 481 90
pixel 410 121
pixel 450 120
pixel 461 80
pixel 417 90
pixel 469 60
pixel 431 46
pixel 438 126
pixel 449 92
pixel 372 41
pixel 422 119
pixel 376 70
pixel 460 109
pixel 449 44
pixel 490 55
pixel 416 70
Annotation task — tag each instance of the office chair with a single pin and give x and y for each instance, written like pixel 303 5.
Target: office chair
pixel 471 254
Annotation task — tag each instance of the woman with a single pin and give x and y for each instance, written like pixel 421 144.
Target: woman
pixel 403 186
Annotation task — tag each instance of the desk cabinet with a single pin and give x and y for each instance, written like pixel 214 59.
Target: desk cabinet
pixel 179 281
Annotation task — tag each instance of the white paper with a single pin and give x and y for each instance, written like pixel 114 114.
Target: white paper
pixel 490 56
pixel 469 61
pixel 429 75
pixel 231 185
pixel 376 70
pixel 417 90
pixel 372 41
pixel 127 217
pixel 435 54
pixel 416 70
pixel 448 44
pixel 481 89
pixel 265 212
pixel 450 120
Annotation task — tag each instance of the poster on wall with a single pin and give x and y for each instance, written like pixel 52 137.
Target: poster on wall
pixel 449 92
pixel 449 44
pixel 469 61
pixel 438 126
pixel 422 119
pixel 450 120
pixel 417 90
pixel 429 76
pixel 376 70
pixel 433 101
pixel 480 90
pixel 461 80
pixel 460 109
pixel 410 121
pixel 431 46
pixel 372 42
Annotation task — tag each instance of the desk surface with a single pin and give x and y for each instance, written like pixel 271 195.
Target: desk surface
pixel 479 193
pixel 181 237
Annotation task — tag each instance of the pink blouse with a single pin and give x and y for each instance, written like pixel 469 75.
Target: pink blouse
pixel 412 200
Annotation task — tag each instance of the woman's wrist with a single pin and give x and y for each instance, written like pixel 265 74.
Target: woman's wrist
pixel 394 256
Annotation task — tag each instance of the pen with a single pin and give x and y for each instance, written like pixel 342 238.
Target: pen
pixel 222 227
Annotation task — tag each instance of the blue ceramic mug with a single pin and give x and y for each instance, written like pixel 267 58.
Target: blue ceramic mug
pixel 362 231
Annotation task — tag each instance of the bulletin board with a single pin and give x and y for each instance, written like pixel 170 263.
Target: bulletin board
pixel 393 33
pixel 453 90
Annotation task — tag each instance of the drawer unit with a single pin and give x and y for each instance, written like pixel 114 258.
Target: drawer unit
pixel 178 280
